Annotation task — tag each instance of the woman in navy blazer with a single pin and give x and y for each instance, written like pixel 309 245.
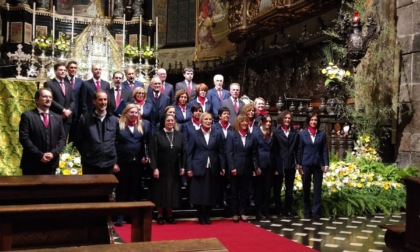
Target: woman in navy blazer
pixel 263 181
pixel 242 158
pixel 313 162
pixel 139 98
pixel 201 99
pixel 206 159
pixel 132 139
pixel 286 143
pixel 182 108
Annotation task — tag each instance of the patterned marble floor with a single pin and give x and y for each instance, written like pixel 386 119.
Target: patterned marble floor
pixel 339 234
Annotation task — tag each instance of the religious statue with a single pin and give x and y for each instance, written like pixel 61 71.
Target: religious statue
pixel 22 1
pixel 138 10
pixel 118 9
pixel 43 4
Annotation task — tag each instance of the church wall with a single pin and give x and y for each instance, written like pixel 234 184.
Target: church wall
pixel 408 34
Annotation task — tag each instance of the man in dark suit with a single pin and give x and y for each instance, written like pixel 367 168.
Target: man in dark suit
pixel 90 87
pixel 159 102
pixel 216 95
pixel 233 103
pixel 63 97
pixel 117 95
pixel 167 88
pixel 42 136
pixel 76 84
pixel 131 83
pixel 187 84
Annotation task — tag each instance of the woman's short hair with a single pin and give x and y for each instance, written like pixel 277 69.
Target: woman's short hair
pixel 138 89
pixel 247 108
pixel 238 121
pixel 223 109
pixel 179 93
pixel 195 107
pixel 200 87
pixel 204 114
pixel 281 117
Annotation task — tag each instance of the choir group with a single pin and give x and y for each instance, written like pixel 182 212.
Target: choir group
pixel 186 134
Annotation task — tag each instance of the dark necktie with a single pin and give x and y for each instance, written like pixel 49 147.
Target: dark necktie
pixel 45 119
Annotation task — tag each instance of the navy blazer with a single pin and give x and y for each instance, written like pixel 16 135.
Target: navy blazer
pixel 183 85
pixel 33 138
pixel 242 158
pixel 87 93
pixel 199 152
pixel 286 149
pixel 61 101
pixel 146 111
pixel 313 154
pixel 217 126
pixel 229 104
pixel 125 85
pixel 131 146
pixel 179 116
pixel 169 91
pixel 77 101
pixel 208 109
pixel 216 103
pixel 266 155
pixel 158 109
pixel 112 105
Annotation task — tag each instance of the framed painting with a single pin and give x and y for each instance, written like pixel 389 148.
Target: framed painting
pixel 83 8
pixel 16 31
pixel 119 39
pixel 212 29
pixel 28 34
pixel 132 40
pixel 41 30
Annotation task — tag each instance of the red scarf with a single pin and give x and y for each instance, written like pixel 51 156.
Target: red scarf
pixel 262 112
pixel 266 136
pixel 196 121
pixel 133 123
pixel 243 132
pixel 202 100
pixel 139 102
pixel 312 130
pixel 284 127
pixel 205 129
pixel 250 123
pixel 224 124
pixel 183 107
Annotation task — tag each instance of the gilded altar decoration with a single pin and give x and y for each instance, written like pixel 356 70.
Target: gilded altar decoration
pixel 62 43
pixel 131 51
pixel 43 42
pixel 334 74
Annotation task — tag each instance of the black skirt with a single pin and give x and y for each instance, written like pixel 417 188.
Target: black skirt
pixel 204 190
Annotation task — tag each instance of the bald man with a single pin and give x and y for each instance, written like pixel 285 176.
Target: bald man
pixel 166 88
pixel 90 87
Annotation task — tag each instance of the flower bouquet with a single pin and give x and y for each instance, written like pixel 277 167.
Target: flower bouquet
pixel 43 42
pixel 70 162
pixel 131 51
pixel 62 43
pixel 148 52
pixel 334 74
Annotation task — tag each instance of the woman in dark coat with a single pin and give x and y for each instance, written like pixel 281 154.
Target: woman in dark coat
pixel 286 140
pixel 313 162
pixel 263 182
pixel 132 139
pixel 206 159
pixel 168 161
pixel 242 158
pixel 182 108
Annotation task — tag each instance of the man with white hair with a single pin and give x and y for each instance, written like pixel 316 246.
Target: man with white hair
pixel 158 101
pixel 166 88
pixel 216 95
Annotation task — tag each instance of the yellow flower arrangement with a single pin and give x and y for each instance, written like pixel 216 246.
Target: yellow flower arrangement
pixel 334 74
pixel 43 42
pixel 364 150
pixel 148 52
pixel 70 162
pixel 62 43
pixel 131 51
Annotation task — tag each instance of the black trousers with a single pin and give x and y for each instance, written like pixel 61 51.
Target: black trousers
pixel 289 179
pixel 312 174
pixel 262 190
pixel 239 194
pixel 128 180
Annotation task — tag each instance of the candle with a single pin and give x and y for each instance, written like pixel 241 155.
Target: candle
pixel 53 23
pixel 33 21
pixel 123 43
pixel 157 25
pixel 72 25
pixel 356 16
pixel 141 24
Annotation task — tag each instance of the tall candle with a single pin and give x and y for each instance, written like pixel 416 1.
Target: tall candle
pixel 140 35
pixel 72 25
pixel 157 31
pixel 53 24
pixel 123 44
pixel 33 21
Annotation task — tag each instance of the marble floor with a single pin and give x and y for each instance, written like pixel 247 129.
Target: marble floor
pixel 338 234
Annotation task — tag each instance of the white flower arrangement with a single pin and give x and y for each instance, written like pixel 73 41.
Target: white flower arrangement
pixel 70 162
pixel 334 74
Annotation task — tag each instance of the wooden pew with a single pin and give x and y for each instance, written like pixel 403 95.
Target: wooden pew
pixel 69 224
pixel 196 245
